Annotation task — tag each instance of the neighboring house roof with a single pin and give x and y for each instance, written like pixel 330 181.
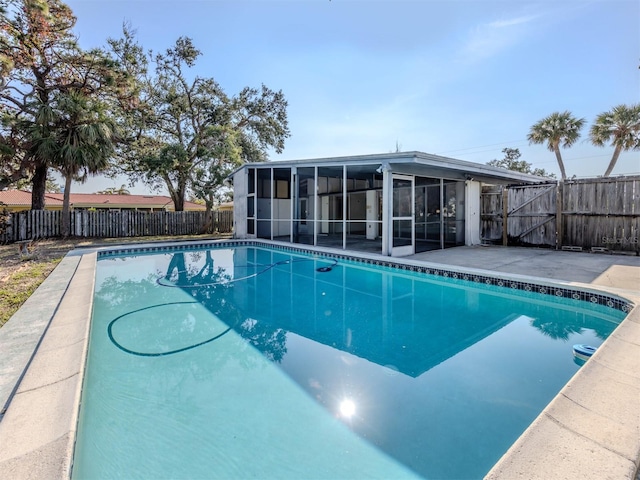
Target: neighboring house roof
pixel 97 200
pixel 20 198
pixel 414 163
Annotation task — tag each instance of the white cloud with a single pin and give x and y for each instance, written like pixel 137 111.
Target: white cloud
pixel 489 39
pixel 512 21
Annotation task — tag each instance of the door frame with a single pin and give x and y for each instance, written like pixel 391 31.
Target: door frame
pixel 403 250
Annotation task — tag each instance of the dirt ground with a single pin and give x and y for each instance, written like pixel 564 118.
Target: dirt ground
pixel 42 251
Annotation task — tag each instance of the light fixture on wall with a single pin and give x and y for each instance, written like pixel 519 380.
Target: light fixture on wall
pixel 468 177
pixel 383 166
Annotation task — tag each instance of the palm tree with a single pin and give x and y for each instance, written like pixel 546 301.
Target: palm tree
pixel 620 126
pixel 80 142
pixel 122 190
pixel 115 191
pixel 558 128
pixel 86 143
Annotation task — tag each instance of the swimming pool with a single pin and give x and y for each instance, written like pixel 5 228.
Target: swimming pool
pixel 269 367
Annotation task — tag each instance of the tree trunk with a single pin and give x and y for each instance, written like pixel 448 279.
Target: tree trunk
pixel 208 224
pixel 179 266
pixel 39 187
pixel 556 149
pixel 66 197
pixel 614 159
pixel 208 202
pixel 178 200
pixel 178 196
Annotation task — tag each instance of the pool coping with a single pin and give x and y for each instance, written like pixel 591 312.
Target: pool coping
pixel 590 429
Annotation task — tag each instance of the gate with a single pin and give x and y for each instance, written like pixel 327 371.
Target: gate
pixel 531 215
pixel 529 210
pixel 600 214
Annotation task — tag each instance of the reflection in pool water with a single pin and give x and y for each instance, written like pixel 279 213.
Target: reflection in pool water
pixel 255 363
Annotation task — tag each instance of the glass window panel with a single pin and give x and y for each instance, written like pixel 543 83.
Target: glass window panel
pixel 304 210
pixel 251 174
pixel 453 211
pixel 282 182
pixel 264 182
pixel 357 206
pixel 401 197
pixel 401 233
pixel 264 229
pixel 264 208
pixel 303 232
pixel 356 228
pixel 330 197
pixel 282 230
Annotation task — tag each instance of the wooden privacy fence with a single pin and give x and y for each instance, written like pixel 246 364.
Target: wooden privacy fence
pixel 596 213
pixel 35 224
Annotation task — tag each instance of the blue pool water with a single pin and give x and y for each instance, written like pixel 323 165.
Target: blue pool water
pixel 254 363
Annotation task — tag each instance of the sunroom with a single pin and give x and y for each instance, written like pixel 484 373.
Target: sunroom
pixel 394 204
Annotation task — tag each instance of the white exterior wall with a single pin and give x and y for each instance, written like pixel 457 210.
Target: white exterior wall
pixel 240 189
pixel 472 213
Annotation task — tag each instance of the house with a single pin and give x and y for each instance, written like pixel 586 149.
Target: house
pixel 394 204
pixel 18 200
pixel 225 207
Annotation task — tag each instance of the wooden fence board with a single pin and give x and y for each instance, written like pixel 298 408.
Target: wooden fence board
pixel 113 224
pixel 596 212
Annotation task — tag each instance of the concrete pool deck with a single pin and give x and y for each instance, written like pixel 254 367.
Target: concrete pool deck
pixel 590 430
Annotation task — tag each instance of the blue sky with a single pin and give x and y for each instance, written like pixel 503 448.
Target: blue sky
pixel 463 79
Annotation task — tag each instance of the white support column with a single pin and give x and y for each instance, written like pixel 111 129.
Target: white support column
pixel 293 195
pixel 472 213
pixel 240 189
pixel 387 211
pixel 372 214
pixel 316 207
pixel 344 207
pixel 271 189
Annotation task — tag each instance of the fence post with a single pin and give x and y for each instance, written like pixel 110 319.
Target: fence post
pixel 505 210
pixel 559 202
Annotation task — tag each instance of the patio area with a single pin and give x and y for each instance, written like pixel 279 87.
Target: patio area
pixel 603 270
pixel 589 430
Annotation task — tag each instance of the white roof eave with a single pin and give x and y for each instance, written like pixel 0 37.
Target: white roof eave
pixel 417 160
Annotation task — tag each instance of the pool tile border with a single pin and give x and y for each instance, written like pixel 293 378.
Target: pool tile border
pixel 552 291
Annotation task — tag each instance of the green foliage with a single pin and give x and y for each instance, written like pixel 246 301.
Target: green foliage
pixel 559 128
pixel 44 71
pixel 5 216
pixel 511 162
pixel 115 191
pixel 188 135
pixel 24 184
pixel 81 144
pixel 621 127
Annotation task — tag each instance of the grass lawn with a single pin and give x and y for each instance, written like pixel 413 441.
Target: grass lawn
pixel 20 277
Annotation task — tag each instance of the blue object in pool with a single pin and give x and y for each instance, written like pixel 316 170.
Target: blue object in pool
pixel 584 350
